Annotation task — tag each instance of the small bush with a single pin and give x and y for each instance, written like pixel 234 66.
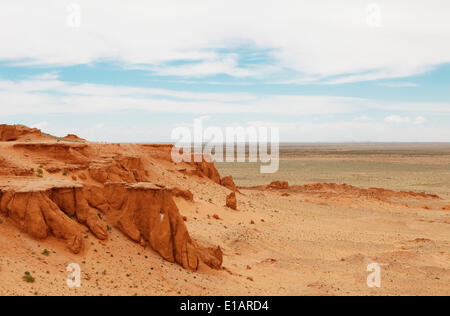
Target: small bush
pixel 46 252
pixel 28 278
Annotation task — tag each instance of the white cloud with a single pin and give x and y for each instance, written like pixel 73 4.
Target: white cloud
pixel 46 76
pixel 313 39
pixel 362 118
pixel 405 119
pixel 399 84
pixel 56 96
pixel 227 65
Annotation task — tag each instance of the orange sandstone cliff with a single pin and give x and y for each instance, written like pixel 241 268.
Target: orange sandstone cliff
pixel 65 187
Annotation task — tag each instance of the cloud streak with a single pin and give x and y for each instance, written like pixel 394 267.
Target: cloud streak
pixel 57 96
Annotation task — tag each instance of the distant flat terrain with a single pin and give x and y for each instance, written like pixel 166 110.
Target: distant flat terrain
pixel 399 166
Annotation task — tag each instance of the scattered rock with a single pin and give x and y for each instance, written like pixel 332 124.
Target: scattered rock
pixel 185 194
pixel 421 240
pixel 232 201
pixel 212 257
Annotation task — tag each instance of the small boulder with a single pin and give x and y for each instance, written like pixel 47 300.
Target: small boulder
pixel 185 194
pixel 278 185
pixel 231 201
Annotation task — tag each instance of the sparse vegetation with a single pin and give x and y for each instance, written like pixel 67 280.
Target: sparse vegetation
pixel 40 172
pixel 46 252
pixel 28 278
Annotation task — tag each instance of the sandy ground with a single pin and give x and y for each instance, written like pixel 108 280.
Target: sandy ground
pixel 299 243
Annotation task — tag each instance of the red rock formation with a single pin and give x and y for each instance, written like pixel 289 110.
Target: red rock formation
pixel 9 167
pixel 185 194
pixel 10 133
pixel 229 183
pixel 278 185
pixel 333 189
pixel 72 137
pixel 231 201
pixel 72 202
pixel 212 257
pixel 207 169
pixel 111 184
pixel 69 154
pixel 147 212
pixel 37 215
pixel 126 169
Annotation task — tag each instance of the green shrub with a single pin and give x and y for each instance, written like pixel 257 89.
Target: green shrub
pixel 28 278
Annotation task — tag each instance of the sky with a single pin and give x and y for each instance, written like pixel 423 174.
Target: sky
pixel 321 71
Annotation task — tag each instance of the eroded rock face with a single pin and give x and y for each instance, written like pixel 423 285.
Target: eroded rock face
pixel 9 167
pixel 229 183
pixel 10 133
pixel 72 202
pixel 213 257
pixel 71 154
pixel 147 212
pixel 278 185
pixel 142 211
pixel 72 137
pixel 152 215
pixel 208 170
pixel 37 215
pixel 66 189
pixel 126 169
pixel 232 201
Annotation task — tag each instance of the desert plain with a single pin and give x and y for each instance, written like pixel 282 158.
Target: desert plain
pixel 138 224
